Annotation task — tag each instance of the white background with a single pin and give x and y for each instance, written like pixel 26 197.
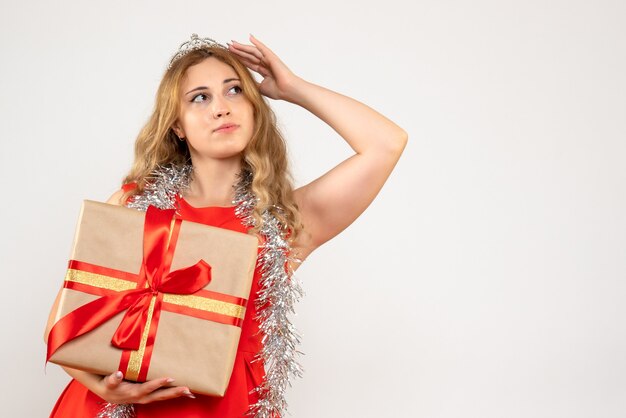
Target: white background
pixel 486 280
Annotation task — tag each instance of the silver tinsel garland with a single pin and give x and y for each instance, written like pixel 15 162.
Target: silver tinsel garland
pixel 278 294
pixel 162 186
pixel 279 289
pixel 112 410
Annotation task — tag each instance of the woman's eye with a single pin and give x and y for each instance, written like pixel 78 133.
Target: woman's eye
pixel 236 87
pixel 199 95
pixel 204 96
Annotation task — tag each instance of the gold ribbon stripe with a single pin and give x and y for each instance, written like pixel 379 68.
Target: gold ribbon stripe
pixel 136 356
pixel 190 301
pixel 99 280
pixel 204 304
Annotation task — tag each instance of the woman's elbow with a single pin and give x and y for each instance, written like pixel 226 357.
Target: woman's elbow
pixel 398 143
pixel 403 139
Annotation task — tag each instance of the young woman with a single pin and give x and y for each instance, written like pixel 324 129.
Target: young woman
pixel 211 118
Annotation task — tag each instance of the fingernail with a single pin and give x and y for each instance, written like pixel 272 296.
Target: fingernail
pixel 119 375
pixel 189 394
pixel 169 380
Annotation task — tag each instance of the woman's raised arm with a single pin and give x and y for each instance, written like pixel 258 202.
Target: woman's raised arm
pixel 332 202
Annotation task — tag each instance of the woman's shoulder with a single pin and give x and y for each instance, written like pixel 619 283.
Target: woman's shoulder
pixel 116 198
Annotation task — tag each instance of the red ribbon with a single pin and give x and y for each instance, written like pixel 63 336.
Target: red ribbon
pixel 157 258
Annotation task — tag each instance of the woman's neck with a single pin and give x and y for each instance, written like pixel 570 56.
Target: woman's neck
pixel 212 182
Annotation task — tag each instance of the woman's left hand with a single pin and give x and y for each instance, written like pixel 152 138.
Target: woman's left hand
pixel 278 80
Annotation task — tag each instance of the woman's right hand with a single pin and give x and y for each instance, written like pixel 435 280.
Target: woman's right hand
pixel 114 389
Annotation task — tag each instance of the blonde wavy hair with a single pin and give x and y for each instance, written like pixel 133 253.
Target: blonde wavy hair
pixel 265 156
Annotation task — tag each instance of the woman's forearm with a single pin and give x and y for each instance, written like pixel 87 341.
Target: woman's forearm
pixel 90 380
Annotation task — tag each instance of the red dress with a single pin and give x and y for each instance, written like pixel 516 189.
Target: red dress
pixel 77 401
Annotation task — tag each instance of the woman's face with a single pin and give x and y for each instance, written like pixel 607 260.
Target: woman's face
pixel 211 96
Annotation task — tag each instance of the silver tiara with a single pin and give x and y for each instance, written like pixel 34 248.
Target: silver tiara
pixel 191 45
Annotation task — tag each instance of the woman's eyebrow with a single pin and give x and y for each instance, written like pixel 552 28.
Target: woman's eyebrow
pixel 228 80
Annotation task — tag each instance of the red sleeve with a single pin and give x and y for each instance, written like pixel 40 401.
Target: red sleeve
pixel 129 186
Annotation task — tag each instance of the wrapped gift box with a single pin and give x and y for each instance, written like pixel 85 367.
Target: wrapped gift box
pixel 147 274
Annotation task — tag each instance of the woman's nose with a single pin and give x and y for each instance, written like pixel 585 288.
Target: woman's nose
pixel 220 108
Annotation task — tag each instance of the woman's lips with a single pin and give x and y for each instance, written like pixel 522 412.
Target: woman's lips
pixel 229 128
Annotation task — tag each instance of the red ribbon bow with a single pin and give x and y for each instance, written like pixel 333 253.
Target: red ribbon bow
pixel 154 280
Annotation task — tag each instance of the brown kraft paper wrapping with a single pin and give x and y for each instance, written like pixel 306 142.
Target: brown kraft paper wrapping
pixel 197 353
